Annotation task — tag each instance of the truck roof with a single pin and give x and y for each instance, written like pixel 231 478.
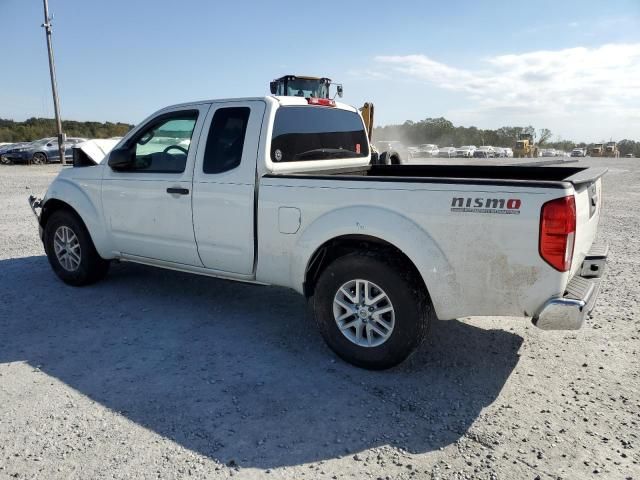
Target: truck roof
pixel 281 100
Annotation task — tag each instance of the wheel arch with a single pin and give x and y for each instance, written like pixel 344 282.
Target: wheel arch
pixel 46 157
pixel 342 245
pixel 67 196
pixel 354 228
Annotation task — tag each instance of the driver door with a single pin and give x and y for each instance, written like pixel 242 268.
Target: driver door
pixel 148 207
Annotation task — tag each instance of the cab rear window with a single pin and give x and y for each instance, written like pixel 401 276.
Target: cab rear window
pixel 303 133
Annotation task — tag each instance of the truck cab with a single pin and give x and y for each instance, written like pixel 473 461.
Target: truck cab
pixel 303 86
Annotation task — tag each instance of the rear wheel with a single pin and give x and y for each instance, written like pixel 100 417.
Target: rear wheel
pixel 70 250
pixel 39 158
pixel 371 312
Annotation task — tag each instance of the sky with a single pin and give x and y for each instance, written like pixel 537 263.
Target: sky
pixel 572 66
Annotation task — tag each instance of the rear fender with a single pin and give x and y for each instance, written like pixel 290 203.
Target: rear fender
pixel 391 227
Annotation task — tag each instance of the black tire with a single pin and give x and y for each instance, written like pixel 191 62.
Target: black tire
pixel 384 159
pixel 389 158
pixel 91 268
pixel 410 301
pixel 39 158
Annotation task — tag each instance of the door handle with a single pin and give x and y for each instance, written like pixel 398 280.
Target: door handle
pixel 179 191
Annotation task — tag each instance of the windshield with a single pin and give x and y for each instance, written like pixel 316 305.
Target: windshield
pixel 44 141
pixel 305 88
pixel 317 133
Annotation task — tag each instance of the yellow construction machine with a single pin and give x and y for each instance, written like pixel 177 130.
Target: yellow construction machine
pixel 611 150
pixel 525 146
pixel 596 150
pixel 303 86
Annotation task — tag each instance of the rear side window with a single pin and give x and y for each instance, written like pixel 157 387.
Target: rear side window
pixel 226 139
pixel 317 133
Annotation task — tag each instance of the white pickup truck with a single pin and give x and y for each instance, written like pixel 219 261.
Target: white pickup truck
pixel 280 190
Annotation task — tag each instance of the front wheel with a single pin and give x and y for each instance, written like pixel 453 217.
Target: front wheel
pixel 371 312
pixel 70 250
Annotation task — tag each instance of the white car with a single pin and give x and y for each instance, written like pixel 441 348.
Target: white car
pixel 446 152
pixel 428 150
pixel 579 152
pixel 508 152
pixel 466 151
pixel 280 191
pixel 485 151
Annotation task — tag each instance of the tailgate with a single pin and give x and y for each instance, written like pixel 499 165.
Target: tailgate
pixel 588 198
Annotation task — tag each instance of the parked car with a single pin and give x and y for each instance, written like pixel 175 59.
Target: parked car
pixel 446 152
pixel 302 208
pixel 548 152
pixel 5 147
pixel 508 152
pixel 629 155
pixel 41 151
pixel 392 152
pixel 465 151
pixel 428 150
pixel 8 149
pixel 499 151
pixel 484 151
pixel 579 152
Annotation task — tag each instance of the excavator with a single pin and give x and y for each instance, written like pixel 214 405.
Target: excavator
pixel 319 87
pixel 525 146
pixel 611 150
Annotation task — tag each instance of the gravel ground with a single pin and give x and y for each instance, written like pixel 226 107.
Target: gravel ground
pixel 158 374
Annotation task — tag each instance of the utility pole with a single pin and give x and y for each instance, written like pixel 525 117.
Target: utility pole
pixel 54 85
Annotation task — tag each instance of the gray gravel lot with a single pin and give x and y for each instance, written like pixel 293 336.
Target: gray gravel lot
pixel 158 374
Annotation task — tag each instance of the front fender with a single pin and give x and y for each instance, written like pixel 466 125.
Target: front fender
pixel 393 228
pixel 84 198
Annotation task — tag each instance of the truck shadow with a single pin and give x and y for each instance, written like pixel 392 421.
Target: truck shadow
pixel 238 372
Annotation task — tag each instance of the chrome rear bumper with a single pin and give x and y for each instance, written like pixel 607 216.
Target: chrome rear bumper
pixel 570 311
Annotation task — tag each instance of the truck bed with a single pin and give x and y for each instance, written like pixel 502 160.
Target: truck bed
pixel 549 177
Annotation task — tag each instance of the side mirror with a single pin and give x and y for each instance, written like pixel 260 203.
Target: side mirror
pixel 273 86
pixel 121 159
pixel 339 87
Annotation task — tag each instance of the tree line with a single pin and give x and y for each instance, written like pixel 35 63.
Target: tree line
pixel 442 132
pixel 439 131
pixel 36 128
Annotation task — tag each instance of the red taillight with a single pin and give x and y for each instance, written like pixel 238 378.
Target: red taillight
pixel 325 102
pixel 558 232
